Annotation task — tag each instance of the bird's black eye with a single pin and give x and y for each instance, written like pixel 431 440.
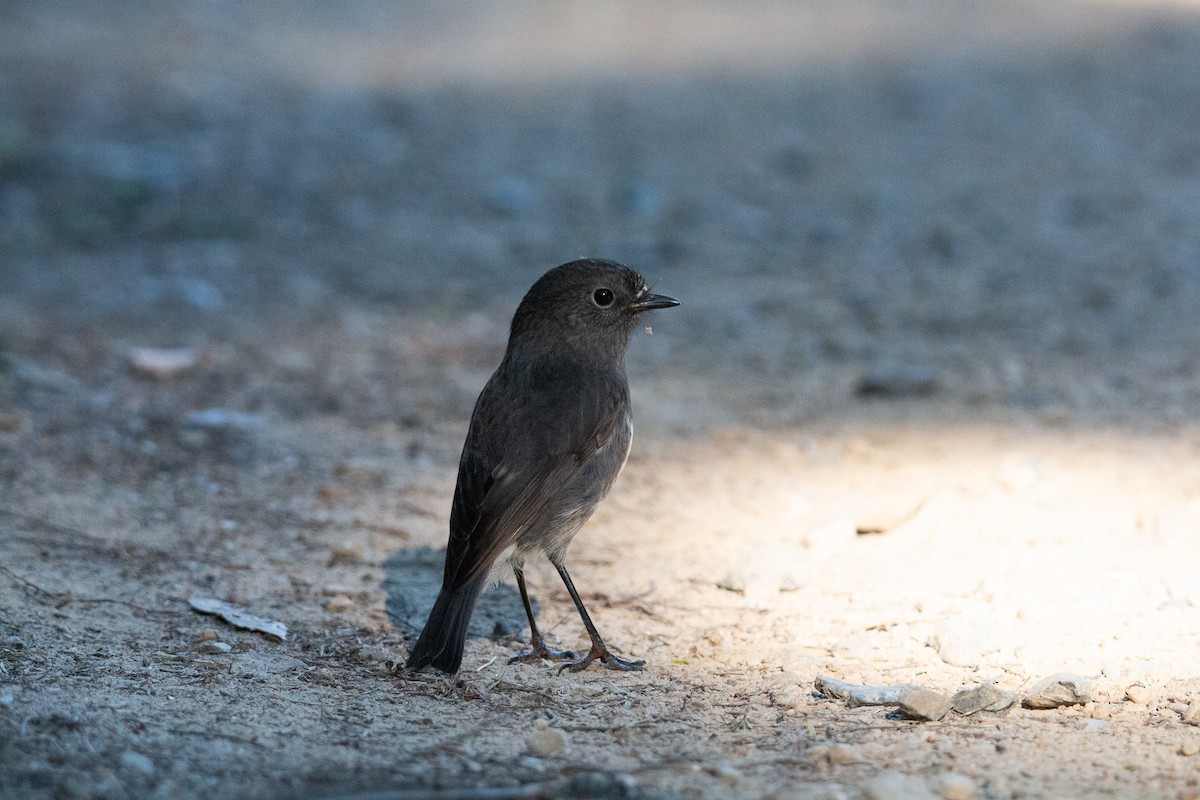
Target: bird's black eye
pixel 603 297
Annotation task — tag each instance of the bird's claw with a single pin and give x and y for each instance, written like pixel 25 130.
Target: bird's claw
pixel 540 652
pixel 607 659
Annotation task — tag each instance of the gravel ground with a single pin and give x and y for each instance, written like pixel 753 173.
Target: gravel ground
pixel 927 417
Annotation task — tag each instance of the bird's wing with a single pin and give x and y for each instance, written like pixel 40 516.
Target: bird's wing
pixel 502 492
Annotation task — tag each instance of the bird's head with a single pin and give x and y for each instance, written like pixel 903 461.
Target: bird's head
pixel 590 304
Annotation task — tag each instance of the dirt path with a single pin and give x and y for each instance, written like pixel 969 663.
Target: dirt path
pixel 927 415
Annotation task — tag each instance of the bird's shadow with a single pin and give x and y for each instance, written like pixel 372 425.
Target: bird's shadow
pixel 411 579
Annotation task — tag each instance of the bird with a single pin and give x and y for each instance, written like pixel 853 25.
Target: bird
pixel 548 435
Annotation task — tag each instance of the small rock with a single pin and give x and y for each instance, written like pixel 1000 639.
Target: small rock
pixel 985 697
pixel 213 648
pixel 840 754
pixel 136 762
pixel 222 419
pixel 956 786
pixel 206 635
pixel 545 741
pixel 337 604
pixel 1189 747
pixel 1101 711
pixel 925 704
pixel 346 554
pixel 1192 714
pixel 6 700
pixel 1062 689
pixel 856 695
pixel 163 362
pixel 892 785
pixel 14 641
pixel 332 494
pixel 1138 694
pixel 733 581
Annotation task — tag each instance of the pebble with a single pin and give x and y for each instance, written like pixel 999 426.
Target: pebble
pixel 892 785
pixel 984 697
pixel 1189 747
pixel 956 786
pixel 1062 689
pixel 1138 694
pixel 6 700
pixel 162 362
pixel 1192 714
pixel 337 604
pixel 545 741
pixel 136 762
pixel 925 704
pixel 1101 711
pixel 222 419
pixel 213 648
pixel 733 581
pixel 332 494
pixel 840 754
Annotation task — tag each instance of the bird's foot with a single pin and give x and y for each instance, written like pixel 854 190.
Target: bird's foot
pixel 540 652
pixel 600 653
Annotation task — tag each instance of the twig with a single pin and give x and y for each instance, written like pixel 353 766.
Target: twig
pixel 209 733
pixel 73 538
pixel 641 723
pixel 61 599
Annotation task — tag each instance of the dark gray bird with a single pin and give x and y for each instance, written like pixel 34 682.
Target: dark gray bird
pixel 550 431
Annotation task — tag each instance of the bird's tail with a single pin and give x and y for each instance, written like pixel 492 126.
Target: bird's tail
pixel 441 642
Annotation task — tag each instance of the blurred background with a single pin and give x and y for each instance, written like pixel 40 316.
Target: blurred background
pixel 991 203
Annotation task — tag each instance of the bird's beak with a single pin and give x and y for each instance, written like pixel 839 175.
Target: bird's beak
pixel 652 301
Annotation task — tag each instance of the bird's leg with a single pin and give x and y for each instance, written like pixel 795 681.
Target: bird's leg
pixel 539 650
pixel 598 651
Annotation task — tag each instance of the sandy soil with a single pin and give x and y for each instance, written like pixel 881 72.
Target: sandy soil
pixel 927 416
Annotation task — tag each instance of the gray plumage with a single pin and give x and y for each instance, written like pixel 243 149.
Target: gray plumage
pixel 548 436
